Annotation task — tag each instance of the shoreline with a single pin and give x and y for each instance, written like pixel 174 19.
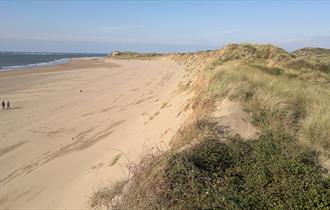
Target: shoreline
pixel 72 64
pixel 57 62
pixel 37 65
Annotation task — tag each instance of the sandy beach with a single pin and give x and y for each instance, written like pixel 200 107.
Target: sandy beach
pixel 68 123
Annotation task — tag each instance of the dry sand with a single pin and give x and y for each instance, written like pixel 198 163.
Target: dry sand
pixel 234 118
pixel 58 143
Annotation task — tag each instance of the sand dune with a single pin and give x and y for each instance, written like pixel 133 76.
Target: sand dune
pixel 69 122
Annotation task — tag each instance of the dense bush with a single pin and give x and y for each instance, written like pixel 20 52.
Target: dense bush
pixel 271 172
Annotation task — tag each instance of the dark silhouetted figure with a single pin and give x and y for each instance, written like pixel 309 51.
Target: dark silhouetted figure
pixel 8 104
pixel 3 105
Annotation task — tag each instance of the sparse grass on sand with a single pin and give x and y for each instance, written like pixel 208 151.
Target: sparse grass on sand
pixel 288 97
pixel 300 107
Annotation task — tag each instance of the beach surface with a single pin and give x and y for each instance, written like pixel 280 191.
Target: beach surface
pixel 74 128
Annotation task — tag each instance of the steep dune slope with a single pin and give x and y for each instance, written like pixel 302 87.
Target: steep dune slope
pixel 283 96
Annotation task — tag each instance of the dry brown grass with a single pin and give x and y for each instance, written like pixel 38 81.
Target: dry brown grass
pixel 108 196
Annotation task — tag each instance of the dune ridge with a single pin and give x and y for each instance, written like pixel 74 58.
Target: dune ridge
pixel 257 136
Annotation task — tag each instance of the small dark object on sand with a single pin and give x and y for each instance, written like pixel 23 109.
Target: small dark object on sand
pixel 80 90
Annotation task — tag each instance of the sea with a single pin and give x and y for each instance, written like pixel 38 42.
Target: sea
pixel 19 60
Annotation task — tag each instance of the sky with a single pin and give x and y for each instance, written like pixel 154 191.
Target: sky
pixel 160 26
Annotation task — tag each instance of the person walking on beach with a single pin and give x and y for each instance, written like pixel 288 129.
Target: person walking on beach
pixel 8 104
pixel 3 105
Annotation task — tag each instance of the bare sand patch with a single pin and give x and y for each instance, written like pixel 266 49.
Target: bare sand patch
pixel 232 116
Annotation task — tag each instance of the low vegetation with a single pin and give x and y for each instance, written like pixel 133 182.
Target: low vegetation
pixel 107 196
pixel 288 98
pixel 267 173
pixel 126 55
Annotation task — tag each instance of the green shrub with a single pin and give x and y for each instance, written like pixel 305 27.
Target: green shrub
pixel 271 172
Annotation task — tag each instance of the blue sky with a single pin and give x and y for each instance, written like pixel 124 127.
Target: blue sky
pixel 162 26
